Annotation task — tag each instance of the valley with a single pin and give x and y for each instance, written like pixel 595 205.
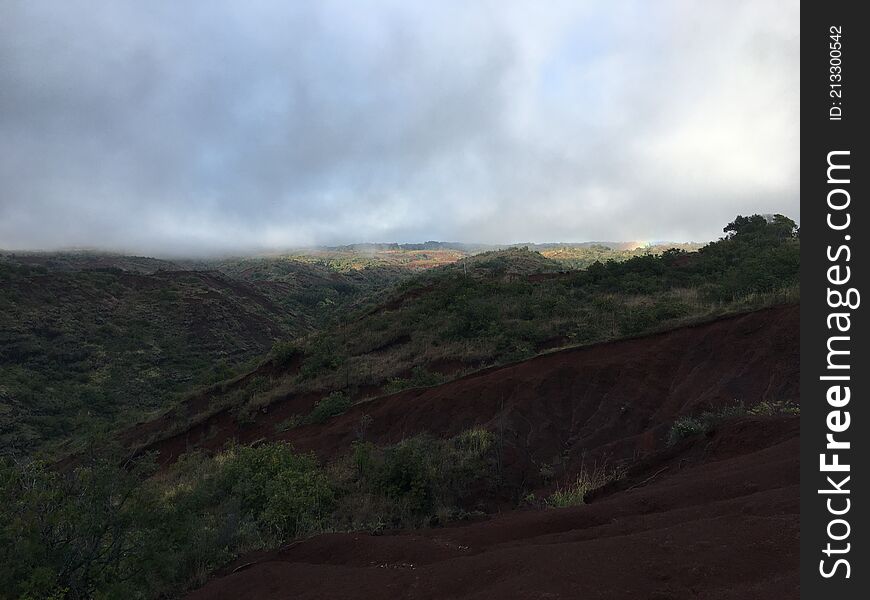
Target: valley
pixel 274 427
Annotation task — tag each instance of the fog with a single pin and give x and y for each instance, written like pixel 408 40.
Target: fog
pixel 168 127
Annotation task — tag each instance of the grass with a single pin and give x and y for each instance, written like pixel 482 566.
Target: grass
pixel 588 479
pixel 688 426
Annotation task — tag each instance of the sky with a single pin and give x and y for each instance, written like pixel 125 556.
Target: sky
pixel 197 127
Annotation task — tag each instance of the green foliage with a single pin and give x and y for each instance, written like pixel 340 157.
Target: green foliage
pixel 118 347
pixel 688 426
pixel 322 356
pixel 69 535
pixel 773 226
pixel 422 477
pixel 285 493
pixel 109 531
pixel 420 377
pixel 105 531
pixel 100 339
pixel 332 405
pixel 759 255
pixel 283 353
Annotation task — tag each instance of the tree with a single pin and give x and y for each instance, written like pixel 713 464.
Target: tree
pixel 776 226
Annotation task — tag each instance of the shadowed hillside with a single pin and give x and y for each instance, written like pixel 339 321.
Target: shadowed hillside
pixel 503 391
pixel 84 345
pixel 489 309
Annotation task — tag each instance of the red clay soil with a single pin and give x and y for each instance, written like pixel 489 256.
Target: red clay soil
pixel 717 518
pixel 613 400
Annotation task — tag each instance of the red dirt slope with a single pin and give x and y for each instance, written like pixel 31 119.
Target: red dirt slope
pixel 717 518
pixel 615 399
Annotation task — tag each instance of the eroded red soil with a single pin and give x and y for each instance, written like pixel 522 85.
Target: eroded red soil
pixel 716 516
pixel 613 400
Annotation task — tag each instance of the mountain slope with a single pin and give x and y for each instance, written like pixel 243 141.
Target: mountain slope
pixel 614 400
pixel 715 515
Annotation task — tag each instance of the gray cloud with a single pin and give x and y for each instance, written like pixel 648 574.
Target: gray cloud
pixel 190 127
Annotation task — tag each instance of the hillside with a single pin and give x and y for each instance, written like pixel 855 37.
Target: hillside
pixel 720 519
pixel 92 339
pixel 486 310
pixel 502 391
pixel 85 345
pixel 570 464
pixel 614 400
pixel 726 500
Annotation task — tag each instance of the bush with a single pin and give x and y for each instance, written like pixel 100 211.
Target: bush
pixel 70 535
pixel 283 353
pixel 420 377
pixel 334 404
pixel 422 478
pixel 285 493
pixel 685 427
pixel 323 356
pixel 107 531
pixel 688 426
pixel 408 472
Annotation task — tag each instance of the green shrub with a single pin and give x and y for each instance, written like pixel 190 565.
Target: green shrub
pixel 69 535
pixel 285 493
pixel 685 427
pixel 332 405
pixel 107 531
pixel 422 477
pixel 688 426
pixel 420 377
pixel 321 357
pixel 283 352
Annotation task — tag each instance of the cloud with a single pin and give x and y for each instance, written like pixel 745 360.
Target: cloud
pixel 168 127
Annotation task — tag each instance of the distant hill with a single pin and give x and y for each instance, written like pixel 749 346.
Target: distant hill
pixel 87 259
pixel 88 340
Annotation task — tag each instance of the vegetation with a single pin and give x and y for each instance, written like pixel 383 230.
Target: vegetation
pixel 587 480
pixel 86 348
pixel 689 426
pixel 420 377
pixel 583 256
pixel 503 306
pixel 112 532
pixel 334 404
pixel 83 348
